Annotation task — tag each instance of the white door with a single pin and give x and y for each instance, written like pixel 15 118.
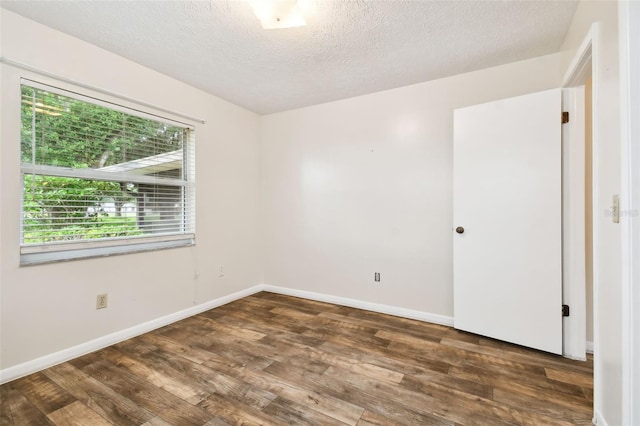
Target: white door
pixel 507 197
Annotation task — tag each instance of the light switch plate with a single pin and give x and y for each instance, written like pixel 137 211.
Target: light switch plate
pixel 616 209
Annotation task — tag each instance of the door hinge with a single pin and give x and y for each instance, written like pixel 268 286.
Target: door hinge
pixel 565 117
pixel 565 310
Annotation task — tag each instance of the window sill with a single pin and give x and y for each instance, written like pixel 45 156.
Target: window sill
pixel 52 254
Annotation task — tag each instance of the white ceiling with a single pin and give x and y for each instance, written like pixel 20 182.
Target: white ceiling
pixel 348 48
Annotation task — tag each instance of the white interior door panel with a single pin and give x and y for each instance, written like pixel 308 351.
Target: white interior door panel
pixel 507 197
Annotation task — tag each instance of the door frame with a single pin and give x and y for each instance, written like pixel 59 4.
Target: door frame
pixel 583 66
pixel 574 327
pixel 629 19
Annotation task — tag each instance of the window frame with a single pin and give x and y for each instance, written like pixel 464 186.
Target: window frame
pixel 37 253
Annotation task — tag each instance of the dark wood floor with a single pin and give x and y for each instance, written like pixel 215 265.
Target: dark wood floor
pixel 276 360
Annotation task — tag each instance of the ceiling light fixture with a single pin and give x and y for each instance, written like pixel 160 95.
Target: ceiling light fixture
pixel 278 13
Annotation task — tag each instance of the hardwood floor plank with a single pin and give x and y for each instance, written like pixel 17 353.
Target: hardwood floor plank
pixel 287 348
pixel 506 380
pixel 77 414
pixel 289 389
pixel 454 383
pixel 376 397
pixel 177 386
pixel 394 322
pixel 369 418
pixel 323 403
pixel 136 346
pixel 207 326
pixel 268 323
pixel 166 405
pixel 157 421
pixel 212 380
pixel 384 357
pixel 312 306
pixel 296 314
pixel 271 359
pixel 325 334
pixel 530 357
pixel 579 379
pixel 84 360
pixel 433 332
pixel 46 395
pixel 276 327
pixel 97 396
pixel 234 413
pixel 339 409
pixel 459 358
pixel 184 348
pixel 295 414
pixel 15 409
pixel 428 400
pixel 537 406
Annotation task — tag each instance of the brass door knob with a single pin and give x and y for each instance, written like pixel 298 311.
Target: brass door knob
pixel 460 230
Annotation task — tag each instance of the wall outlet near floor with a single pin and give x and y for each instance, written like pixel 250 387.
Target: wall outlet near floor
pixel 101 301
pixel 221 272
pixel 376 277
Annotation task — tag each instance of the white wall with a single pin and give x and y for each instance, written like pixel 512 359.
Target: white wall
pixel 607 179
pixel 48 308
pixel 364 185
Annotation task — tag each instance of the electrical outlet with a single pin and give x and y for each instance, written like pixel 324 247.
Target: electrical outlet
pixel 101 301
pixel 376 277
pixel 221 273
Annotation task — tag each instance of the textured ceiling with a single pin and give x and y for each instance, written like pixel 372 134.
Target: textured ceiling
pixel 348 48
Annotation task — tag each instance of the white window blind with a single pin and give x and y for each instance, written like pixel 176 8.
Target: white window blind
pixel 100 178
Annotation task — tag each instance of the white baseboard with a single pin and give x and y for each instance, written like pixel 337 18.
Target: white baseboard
pixel 589 347
pixel 29 367
pixel 369 306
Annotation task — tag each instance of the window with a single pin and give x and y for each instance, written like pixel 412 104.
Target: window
pixel 101 179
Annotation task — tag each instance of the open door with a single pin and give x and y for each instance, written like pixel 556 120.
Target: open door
pixel 507 220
